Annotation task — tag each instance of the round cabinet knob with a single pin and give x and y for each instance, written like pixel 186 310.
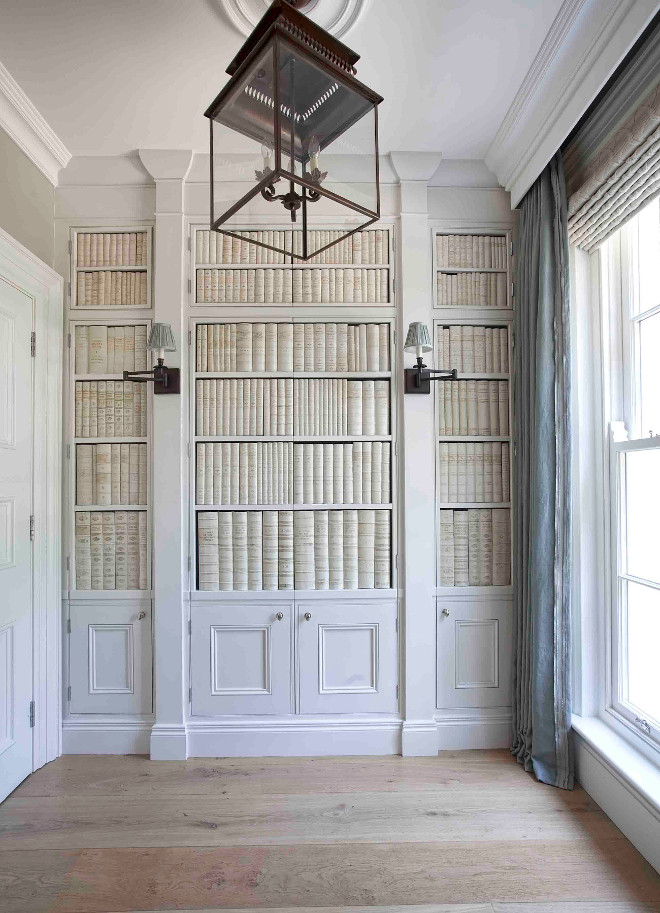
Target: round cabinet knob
pixel 445 612
pixel 280 616
pixel 142 615
pixel 308 615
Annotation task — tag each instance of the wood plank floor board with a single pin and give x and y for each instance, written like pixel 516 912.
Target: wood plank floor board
pixel 448 815
pixel 137 776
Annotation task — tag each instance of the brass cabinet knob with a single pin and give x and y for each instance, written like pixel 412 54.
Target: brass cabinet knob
pixel 142 615
pixel 308 615
pixel 445 612
pixel 280 616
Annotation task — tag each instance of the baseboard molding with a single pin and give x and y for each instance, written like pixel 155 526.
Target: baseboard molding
pixel 419 738
pixel 292 738
pixel 467 728
pixel 628 808
pixel 169 742
pixel 106 736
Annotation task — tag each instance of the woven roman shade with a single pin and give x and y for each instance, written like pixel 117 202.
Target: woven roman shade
pixel 624 177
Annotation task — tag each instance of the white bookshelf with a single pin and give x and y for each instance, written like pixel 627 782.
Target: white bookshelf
pixel 292 313
pixel 144 268
pixel 491 316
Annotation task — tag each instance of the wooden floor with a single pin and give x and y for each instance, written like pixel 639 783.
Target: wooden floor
pixel 467 831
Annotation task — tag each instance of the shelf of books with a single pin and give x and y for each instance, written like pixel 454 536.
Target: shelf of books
pixel 111 269
pixel 109 424
pixel 472 333
pixel 292 422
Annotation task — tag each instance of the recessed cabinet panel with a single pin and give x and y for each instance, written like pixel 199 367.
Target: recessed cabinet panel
pixel 7 674
pixel 347 657
pixel 474 653
pixel 110 657
pixel 241 658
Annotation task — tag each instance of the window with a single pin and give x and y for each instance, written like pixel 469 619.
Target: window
pixel 631 281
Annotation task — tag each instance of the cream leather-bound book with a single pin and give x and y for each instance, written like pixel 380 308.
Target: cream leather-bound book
pixel 474 548
pixel 321 551
pixel 308 473
pixel 309 347
pixel 386 496
pixel 140 348
pixel 208 562
pixel 319 347
pixel 112 335
pixel 244 347
pixel 446 548
pixel 350 549
pixel 325 285
pixel 330 346
pixel 118 345
pixel 479 478
pixel 243 287
pixel 240 556
pixel 366 551
pixel 382 406
pixel 104 474
pixel 82 350
pixel 376 473
pixel 129 348
pixel 342 347
pixel 362 356
pixel 357 472
pixel 287 289
pixel 298 474
pixel 297 286
pixel 124 474
pixel 462 406
pixel 143 581
pixel 255 550
pixel 298 347
pixel 93 408
pixel 493 409
pixel 384 347
pixel 208 473
pixel 335 550
pixel 285 553
pixel 98 349
pixel 488 472
pixel 467 348
pixel 472 407
pixel 461 472
pixel 226 470
pixel 501 548
pixel 285 347
pixel 365 495
pixel 452 472
pixel 115 473
pixel 202 348
pixel 372 347
pixel 84 478
pixel 496 471
pixel 461 571
pixel 83 551
pixel 123 409
pixel 506 470
pixel 470 480
pixel 270 556
pixel 109 553
pixel 271 347
pixel 225 551
pixel 288 406
pixel 381 247
pixel 121 550
pixel 251 473
pixel 255 348
pixel 479 349
pixel 328 473
pixel 486 546
pixel 503 406
pixel 345 494
pixel 316 286
pixel 382 550
pixel 303 549
pixel 483 408
pixel 96 549
pixel 504 351
pixel 242 475
pixel 82 409
pixel 317 474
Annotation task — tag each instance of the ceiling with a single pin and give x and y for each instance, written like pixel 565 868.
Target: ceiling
pixel 112 76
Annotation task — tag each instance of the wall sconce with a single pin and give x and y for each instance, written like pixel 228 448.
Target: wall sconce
pixel 418 379
pixel 164 379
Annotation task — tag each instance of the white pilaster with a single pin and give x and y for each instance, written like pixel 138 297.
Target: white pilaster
pixel 417 564
pixel 169 168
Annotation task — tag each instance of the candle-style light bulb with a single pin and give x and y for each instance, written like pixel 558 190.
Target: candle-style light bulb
pixel 313 150
pixel 267 154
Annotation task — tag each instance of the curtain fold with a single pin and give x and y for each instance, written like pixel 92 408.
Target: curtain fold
pixel 541 624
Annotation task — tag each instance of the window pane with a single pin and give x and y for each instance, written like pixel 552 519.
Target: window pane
pixel 649 256
pixel 643 631
pixel 642 511
pixel 649 359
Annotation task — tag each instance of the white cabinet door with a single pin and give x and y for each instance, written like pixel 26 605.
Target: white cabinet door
pixel 241 658
pixel 474 652
pixel 347 656
pixel 110 657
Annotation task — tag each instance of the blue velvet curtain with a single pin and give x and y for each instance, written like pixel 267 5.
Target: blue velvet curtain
pixel 541 624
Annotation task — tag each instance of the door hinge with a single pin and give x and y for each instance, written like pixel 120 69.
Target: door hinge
pixel 189 337
pixel 32 528
pixel 395 337
pixel 68 693
pixel 31 714
pixel 397 690
pixel 396 624
pixel 69 289
pixel 513 290
pixel 70 248
pixel 189 563
pixel 396 562
pixel 33 344
pixel 511 249
pixel 190 626
pixel 190 695
pixel 189 286
pixel 189 243
pixel 68 451
pixel 68 564
pixel 189 450
pixel 513 340
pixel 68 340
pixel 68 626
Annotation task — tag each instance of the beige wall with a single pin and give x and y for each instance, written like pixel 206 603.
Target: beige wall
pixel 26 201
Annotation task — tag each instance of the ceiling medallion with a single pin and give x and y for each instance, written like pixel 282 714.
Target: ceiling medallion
pixel 334 16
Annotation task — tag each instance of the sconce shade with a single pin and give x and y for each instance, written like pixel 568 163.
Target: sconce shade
pixel 418 335
pixel 161 337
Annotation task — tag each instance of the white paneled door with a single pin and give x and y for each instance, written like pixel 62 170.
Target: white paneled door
pixel 16 456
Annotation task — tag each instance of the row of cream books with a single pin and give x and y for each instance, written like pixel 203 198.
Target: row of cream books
pixel 293 286
pixel 293 347
pixel 481 290
pixel 473 407
pixel 111 289
pixel 112 248
pixel 111 550
pixel 284 406
pixel 370 247
pixel 110 350
pixel 478 350
pixel 286 550
pixel 470 251
pixel 111 474
pixel 110 408
pixel 474 472
pixel 475 547
pixel 281 472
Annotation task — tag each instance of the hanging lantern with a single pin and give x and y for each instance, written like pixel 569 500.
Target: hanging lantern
pixel 311 128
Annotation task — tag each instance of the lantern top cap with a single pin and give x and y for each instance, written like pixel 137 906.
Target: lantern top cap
pixel 281 15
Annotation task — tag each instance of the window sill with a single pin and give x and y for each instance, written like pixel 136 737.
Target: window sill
pixel 639 775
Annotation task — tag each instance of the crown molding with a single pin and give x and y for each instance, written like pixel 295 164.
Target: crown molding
pixel 24 124
pixel 585 44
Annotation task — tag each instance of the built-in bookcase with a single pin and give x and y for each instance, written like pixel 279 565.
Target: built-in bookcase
pixel 472 333
pixel 111 269
pixel 292 419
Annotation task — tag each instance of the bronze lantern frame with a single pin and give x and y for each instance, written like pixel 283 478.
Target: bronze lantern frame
pixel 282 25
